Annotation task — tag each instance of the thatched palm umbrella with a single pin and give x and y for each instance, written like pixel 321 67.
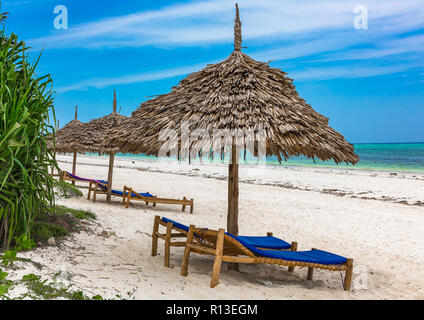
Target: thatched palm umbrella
pixel 92 134
pixel 66 140
pixel 238 94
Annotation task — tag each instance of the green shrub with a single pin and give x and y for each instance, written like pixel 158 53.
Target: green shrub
pixel 26 106
pixel 43 231
pixel 66 190
pixel 79 214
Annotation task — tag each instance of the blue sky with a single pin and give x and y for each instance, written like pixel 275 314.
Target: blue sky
pixel 369 82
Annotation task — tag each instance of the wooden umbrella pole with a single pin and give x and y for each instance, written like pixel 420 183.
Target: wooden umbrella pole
pixel 54 159
pixel 233 197
pixel 109 177
pixel 74 166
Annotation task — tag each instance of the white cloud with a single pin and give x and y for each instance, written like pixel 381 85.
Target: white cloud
pixel 211 21
pixel 351 72
pixel 131 78
pixel 285 30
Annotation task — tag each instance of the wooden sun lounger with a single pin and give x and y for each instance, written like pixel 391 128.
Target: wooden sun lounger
pixel 96 188
pixel 127 194
pixel 167 237
pixel 181 231
pixel 227 249
pixel 65 176
pixel 131 195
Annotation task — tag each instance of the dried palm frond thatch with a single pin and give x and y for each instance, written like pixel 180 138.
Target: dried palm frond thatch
pixel 76 137
pixel 65 140
pixel 92 135
pixel 65 137
pixel 238 94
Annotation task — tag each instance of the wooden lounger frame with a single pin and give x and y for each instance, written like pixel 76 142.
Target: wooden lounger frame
pixel 63 176
pixel 94 186
pixel 129 195
pixel 98 190
pixel 168 236
pixel 217 243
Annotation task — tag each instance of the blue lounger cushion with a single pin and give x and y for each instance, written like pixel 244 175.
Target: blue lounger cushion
pixel 84 179
pixel 133 194
pixel 120 193
pixel 312 256
pixel 265 242
pixel 176 224
pixel 261 242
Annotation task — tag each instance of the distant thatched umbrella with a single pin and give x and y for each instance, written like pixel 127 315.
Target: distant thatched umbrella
pixel 238 94
pixel 92 134
pixel 67 142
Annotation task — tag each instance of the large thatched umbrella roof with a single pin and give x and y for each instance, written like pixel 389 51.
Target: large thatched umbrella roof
pixel 65 137
pixel 92 134
pixel 65 140
pixel 237 94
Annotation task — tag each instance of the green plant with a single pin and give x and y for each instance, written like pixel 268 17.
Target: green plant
pixel 43 231
pixel 3 16
pixel 4 285
pixel 43 289
pixel 30 277
pixel 66 190
pixel 23 242
pixel 3 275
pixel 8 257
pixel 26 106
pixel 79 214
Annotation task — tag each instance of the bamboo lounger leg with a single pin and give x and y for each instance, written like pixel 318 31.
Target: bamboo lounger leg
pixel 191 205
pixel 218 258
pixel 155 236
pixel 293 248
pixel 184 264
pixel 310 271
pixel 168 243
pixel 184 205
pixel 348 276
pixel 89 189
pixel 95 193
pixel 130 192
pixel 124 195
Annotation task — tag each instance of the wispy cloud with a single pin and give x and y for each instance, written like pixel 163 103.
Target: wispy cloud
pixel 350 72
pixel 131 78
pixel 285 30
pixel 382 48
pixel 6 4
pixel 306 74
pixel 210 21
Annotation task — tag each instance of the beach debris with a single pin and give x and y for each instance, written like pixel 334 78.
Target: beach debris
pixel 266 283
pixel 106 234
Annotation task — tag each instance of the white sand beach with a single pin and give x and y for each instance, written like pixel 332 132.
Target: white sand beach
pixel 376 218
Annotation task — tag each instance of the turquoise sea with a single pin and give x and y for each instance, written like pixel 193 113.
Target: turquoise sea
pixel 373 156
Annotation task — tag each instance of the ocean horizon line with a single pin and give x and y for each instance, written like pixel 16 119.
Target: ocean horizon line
pixel 417 142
